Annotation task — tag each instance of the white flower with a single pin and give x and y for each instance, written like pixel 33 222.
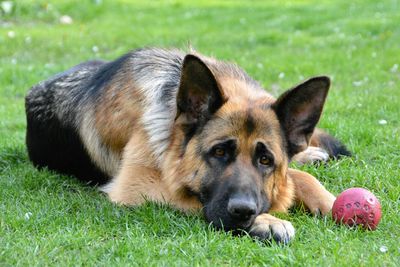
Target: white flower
pixel 11 34
pixel 28 215
pixel 7 6
pixel 394 68
pixel 65 19
pixel 383 249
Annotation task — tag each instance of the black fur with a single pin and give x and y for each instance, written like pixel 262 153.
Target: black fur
pixel 104 75
pixel 333 146
pixel 198 96
pixel 53 140
pixel 250 124
pixel 58 147
pixel 299 110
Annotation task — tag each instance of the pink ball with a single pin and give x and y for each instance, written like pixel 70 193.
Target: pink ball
pixel 357 206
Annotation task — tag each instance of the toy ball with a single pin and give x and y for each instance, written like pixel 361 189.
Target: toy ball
pixel 357 207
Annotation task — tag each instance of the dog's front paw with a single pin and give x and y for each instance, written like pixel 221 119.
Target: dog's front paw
pixel 322 205
pixel 267 228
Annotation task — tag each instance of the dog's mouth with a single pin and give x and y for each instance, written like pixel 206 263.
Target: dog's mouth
pixel 236 226
pixel 244 224
pixel 229 223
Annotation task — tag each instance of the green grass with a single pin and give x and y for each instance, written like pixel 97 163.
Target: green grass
pixel 48 219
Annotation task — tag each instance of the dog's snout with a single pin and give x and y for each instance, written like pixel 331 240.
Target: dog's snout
pixel 242 208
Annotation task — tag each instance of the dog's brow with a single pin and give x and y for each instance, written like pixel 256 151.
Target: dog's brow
pixel 222 140
pixel 250 123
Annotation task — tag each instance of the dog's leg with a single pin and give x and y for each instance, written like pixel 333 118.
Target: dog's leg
pixel 311 192
pixel 140 180
pixel 136 184
pixel 267 227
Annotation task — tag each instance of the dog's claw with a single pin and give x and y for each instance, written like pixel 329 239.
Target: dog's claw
pixel 268 228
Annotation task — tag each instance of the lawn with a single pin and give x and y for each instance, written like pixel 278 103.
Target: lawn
pixel 49 219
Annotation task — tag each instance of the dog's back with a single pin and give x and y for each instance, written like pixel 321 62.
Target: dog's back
pixel 79 121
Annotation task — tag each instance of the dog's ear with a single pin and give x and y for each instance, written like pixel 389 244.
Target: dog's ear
pixel 199 95
pixel 299 110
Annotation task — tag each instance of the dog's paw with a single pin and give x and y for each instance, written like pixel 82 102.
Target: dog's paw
pixel 322 205
pixel 267 228
pixel 310 155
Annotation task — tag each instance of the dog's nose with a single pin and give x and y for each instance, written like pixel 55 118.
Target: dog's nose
pixel 241 208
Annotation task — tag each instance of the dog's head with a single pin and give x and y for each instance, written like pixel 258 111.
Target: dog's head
pixel 234 150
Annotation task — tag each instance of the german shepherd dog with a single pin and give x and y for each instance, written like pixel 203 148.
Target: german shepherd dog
pixel 186 130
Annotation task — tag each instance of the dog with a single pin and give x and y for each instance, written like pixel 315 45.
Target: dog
pixel 187 130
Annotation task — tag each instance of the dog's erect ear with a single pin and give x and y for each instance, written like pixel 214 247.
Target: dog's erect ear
pixel 199 95
pixel 299 110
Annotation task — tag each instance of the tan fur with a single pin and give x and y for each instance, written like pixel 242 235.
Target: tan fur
pixel 283 192
pixel 139 179
pixel 240 92
pixel 120 102
pixel 311 193
pixel 107 160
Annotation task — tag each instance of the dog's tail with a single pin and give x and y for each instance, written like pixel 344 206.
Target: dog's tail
pixel 331 145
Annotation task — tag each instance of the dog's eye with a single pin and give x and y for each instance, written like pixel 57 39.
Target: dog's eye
pixel 224 151
pixel 264 160
pixel 219 152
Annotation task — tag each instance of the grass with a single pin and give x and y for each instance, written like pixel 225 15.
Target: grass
pixel 47 219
